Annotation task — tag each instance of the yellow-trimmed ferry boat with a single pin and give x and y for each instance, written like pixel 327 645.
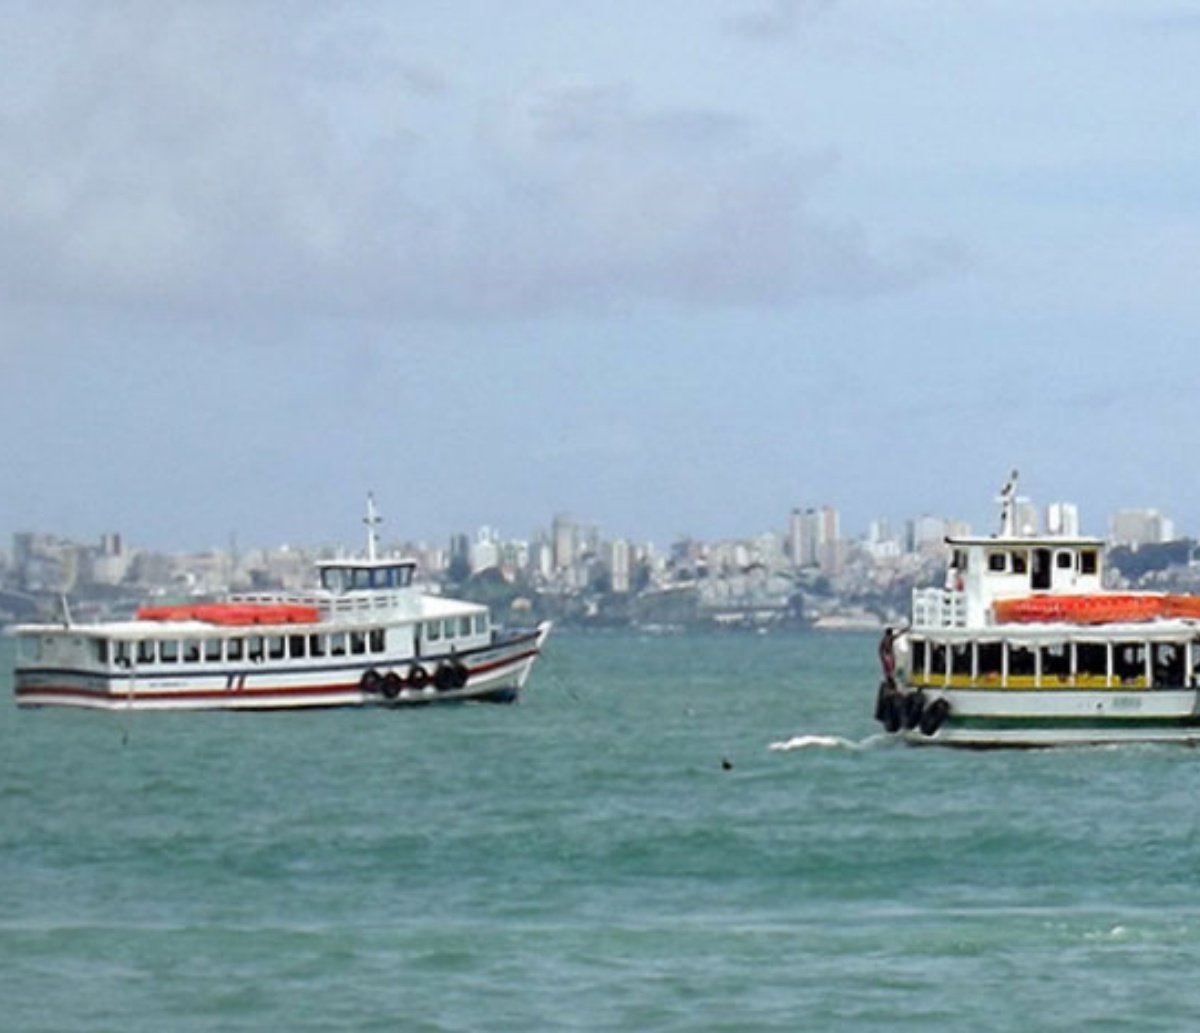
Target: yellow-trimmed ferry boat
pixel 1023 646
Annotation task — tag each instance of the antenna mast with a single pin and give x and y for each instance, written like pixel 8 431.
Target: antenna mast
pixel 372 520
pixel 1008 506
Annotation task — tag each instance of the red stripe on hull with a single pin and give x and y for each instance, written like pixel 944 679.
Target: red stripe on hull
pixel 316 695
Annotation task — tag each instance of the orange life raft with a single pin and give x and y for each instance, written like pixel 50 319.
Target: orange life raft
pixel 232 613
pixel 1106 608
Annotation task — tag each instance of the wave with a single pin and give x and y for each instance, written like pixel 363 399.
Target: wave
pixel 828 742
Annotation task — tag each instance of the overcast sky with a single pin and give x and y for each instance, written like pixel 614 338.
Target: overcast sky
pixel 670 267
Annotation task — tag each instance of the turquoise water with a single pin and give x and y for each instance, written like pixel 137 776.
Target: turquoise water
pixel 583 861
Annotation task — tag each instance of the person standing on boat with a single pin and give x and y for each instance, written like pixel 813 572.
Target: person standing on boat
pixel 887 656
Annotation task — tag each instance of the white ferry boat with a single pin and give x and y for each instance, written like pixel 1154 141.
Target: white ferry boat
pixel 1023 646
pixel 365 636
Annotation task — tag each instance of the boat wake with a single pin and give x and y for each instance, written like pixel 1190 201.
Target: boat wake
pixel 827 742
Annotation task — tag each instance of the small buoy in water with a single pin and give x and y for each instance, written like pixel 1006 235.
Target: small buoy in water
pixel 726 764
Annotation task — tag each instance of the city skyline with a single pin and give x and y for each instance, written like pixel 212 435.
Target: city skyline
pixel 803 536
pixel 675 267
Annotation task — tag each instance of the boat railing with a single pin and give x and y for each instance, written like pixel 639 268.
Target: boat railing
pixel 333 607
pixel 939 608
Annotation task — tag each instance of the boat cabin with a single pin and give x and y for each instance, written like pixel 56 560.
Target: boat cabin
pixel 338 576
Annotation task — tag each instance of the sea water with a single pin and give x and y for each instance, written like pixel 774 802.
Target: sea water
pixel 678 832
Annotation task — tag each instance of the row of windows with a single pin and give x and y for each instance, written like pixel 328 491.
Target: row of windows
pixel 346 579
pixel 1158 663
pixel 257 648
pixel 254 648
pixel 455 627
pixel 1016 561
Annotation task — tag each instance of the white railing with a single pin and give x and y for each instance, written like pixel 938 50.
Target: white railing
pixel 939 608
pixel 333 607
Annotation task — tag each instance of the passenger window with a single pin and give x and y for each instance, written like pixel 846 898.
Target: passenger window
pixel 191 651
pixel 212 650
pixel 337 644
pixel 358 643
pixel 121 651
pixel 433 630
pixel 254 648
pixel 168 651
pixel 480 623
pixel 316 645
pixel 464 625
pixel 991 657
pixel 448 628
pixel 296 647
pixel 234 649
pixel 101 645
pixel 275 647
pixel 145 651
pixel 377 640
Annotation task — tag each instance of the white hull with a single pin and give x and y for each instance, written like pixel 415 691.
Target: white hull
pixel 1039 718
pixel 495 673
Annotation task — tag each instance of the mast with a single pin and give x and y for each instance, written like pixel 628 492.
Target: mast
pixel 372 520
pixel 1008 507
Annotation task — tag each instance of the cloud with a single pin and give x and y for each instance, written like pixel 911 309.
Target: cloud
pixel 216 159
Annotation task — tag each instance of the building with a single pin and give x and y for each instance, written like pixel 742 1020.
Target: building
pixel 1141 527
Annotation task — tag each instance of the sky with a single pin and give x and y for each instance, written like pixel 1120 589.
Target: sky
pixel 671 268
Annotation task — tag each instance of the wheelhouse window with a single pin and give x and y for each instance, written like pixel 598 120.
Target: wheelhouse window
pixel 1020 561
pixel 997 562
pixel 1088 561
pixel 1064 560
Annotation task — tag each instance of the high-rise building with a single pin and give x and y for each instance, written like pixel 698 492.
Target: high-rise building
pixel 814 539
pixel 1141 527
pixel 620 564
pixel 1062 519
pixel 563 542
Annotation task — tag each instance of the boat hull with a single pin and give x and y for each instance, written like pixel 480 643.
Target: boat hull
pixel 981 718
pixel 496 673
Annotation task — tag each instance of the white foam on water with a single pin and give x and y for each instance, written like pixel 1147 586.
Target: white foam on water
pixel 826 742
